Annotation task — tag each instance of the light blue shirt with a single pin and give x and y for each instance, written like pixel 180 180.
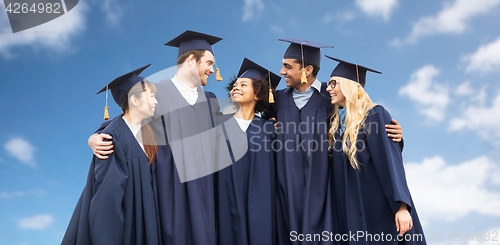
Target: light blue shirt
pixel 301 98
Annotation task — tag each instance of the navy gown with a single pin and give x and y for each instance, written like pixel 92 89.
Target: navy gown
pixel 246 188
pixel 119 202
pixel 303 195
pixel 367 199
pixel 187 209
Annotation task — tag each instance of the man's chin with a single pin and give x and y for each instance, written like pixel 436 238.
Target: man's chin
pixel 289 84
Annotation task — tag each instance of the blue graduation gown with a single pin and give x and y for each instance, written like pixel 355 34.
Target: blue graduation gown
pixel 246 190
pixel 303 195
pixel 187 209
pixel 119 202
pixel 367 199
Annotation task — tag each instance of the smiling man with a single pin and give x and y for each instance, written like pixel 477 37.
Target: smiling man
pixel 187 151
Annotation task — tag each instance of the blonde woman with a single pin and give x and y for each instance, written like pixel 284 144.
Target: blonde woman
pixel 369 185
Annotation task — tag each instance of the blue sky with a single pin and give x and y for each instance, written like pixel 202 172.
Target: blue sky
pixel 440 62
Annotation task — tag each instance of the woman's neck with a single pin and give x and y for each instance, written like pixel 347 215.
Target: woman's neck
pixel 245 112
pixel 132 118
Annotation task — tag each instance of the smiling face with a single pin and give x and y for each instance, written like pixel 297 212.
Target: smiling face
pixel 205 67
pixel 292 72
pixel 243 92
pixel 337 97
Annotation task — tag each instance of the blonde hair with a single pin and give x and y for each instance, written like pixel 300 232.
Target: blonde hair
pixel 358 103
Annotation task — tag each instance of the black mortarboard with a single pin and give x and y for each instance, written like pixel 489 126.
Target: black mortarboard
pixel 191 40
pixel 351 71
pixel 303 48
pixel 122 84
pixel 250 69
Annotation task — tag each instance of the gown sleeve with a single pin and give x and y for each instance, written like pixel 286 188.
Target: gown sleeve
pixel 387 159
pixel 105 213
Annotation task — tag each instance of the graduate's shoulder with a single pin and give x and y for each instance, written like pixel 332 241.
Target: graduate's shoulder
pixel 210 95
pixel 378 113
pixel 265 125
pixel 163 82
pixel 115 127
pixel 281 91
pixel 123 140
pixel 120 132
pixel 163 86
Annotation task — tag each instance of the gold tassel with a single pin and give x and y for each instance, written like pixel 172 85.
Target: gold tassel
pixel 271 96
pixel 217 75
pixel 303 79
pixel 106 114
pixel 360 92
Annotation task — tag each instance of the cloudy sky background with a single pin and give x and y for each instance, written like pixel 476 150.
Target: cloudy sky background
pixel 440 62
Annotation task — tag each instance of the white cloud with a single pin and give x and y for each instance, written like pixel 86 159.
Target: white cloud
pixel 449 192
pixel 11 195
pixel 377 8
pixel 55 35
pixel 252 9
pixel 431 97
pixel 464 89
pixel 22 150
pixel 278 30
pixel 112 9
pixel 343 16
pixel 452 18
pixel 14 194
pixel 483 119
pixel 39 222
pixel 485 59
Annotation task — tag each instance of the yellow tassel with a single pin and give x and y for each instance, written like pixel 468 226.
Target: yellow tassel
pixel 271 96
pixel 106 114
pixel 303 79
pixel 360 92
pixel 217 75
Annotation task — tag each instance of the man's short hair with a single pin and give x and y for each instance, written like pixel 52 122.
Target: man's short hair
pixel 309 63
pixel 198 53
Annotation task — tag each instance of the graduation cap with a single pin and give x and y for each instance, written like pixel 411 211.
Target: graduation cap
pixel 302 49
pixel 250 69
pixel 121 85
pixel 191 40
pixel 351 71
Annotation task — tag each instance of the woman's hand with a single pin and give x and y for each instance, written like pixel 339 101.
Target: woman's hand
pixel 403 219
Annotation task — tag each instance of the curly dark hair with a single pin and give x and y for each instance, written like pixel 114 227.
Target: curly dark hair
pixel 260 88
